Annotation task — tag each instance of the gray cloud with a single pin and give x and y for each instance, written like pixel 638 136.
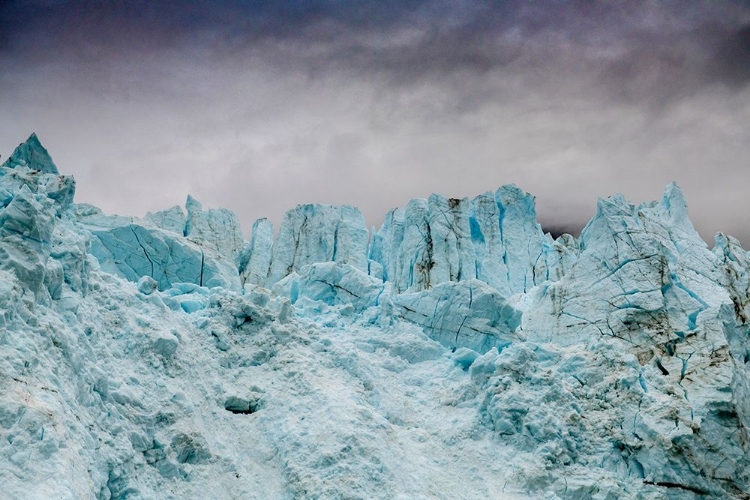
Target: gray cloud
pixel 260 106
pixel 733 57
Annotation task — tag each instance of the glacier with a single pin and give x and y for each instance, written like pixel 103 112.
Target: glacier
pixel 459 351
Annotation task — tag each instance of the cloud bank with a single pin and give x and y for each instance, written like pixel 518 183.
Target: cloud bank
pixel 260 106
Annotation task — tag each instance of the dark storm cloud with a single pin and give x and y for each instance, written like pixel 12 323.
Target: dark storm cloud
pixel 558 230
pixel 403 39
pixel 638 52
pixel 373 103
pixel 733 57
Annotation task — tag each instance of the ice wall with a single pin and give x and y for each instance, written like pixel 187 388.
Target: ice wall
pixel 165 357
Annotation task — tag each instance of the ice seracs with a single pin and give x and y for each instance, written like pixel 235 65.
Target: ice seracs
pixel 133 248
pixel 32 155
pixel 493 238
pixel 456 352
pixel 255 260
pixel 311 234
pixel 468 314
pixel 215 228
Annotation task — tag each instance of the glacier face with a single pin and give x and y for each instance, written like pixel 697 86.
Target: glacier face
pixel 456 352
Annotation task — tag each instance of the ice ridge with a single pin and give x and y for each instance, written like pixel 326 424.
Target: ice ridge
pixel 456 352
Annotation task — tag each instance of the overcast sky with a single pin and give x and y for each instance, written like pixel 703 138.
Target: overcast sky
pixel 259 106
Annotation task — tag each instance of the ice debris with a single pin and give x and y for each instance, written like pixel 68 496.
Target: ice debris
pixel 456 352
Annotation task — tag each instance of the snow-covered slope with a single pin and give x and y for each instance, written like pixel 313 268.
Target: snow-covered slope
pixel 458 352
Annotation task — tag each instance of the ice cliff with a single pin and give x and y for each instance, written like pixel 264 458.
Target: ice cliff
pixel 456 352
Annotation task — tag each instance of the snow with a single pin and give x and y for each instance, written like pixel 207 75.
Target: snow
pixel 456 352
